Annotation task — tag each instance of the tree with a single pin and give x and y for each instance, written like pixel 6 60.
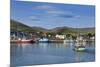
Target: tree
pixel 89 35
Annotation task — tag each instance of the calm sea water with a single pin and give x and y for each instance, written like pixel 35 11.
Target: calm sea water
pixel 49 53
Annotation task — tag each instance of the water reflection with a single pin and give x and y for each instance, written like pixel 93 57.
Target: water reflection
pixel 49 53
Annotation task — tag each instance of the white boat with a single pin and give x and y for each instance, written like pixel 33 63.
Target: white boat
pixel 43 40
pixel 80 48
pixel 80 44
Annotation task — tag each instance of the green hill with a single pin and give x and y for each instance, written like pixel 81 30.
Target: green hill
pixel 73 30
pixel 17 26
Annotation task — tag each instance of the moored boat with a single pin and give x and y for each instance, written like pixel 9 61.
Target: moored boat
pixel 22 41
pixel 80 48
pixel 43 40
pixel 80 44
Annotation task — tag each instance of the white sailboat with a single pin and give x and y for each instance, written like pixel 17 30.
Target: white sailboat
pixel 80 45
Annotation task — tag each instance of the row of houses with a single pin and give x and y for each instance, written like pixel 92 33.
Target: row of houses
pixel 38 35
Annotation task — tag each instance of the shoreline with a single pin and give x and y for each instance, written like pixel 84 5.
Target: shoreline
pixel 49 41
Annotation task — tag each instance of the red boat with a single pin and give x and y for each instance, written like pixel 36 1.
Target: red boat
pixel 22 41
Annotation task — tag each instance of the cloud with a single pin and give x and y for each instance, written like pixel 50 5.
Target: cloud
pixel 66 16
pixel 55 11
pixel 51 11
pixel 33 18
pixel 63 14
pixel 45 7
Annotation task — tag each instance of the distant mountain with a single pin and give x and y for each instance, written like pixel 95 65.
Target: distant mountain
pixel 62 29
pixel 17 26
pixel 73 30
pixel 40 29
pixel 86 30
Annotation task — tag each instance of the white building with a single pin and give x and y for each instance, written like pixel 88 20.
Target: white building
pixel 60 36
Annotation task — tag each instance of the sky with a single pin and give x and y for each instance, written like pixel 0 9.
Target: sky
pixel 51 15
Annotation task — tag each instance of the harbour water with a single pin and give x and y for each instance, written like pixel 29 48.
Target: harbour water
pixel 24 54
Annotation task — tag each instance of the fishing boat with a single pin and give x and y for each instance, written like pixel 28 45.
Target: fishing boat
pixel 22 41
pixel 43 40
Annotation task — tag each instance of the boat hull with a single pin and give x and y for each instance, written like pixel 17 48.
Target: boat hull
pixel 43 41
pixel 80 49
pixel 21 41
